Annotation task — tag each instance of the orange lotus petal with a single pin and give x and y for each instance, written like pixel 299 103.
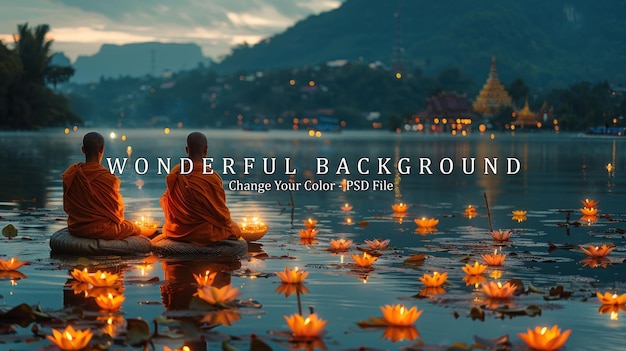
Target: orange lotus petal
pixel 399 315
pixel 340 245
pixel 399 208
pixel 110 301
pixel 435 280
pixel 292 276
pixel 611 299
pixel 364 260
pixel 205 279
pixel 497 290
pixel 304 328
pixel 495 259
pixel 476 269
pixel 310 223
pixel 377 244
pixel 308 233
pixel 11 264
pixel 346 207
pixel 426 222
pixel 544 339
pixel 500 235
pixel 70 339
pixel 214 296
pixel 587 203
pixel 597 251
pixel 589 211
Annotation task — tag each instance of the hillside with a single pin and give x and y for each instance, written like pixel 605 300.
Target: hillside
pixel 548 44
pixel 137 60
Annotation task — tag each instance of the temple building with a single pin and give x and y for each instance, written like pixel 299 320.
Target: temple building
pixel 526 118
pixel 446 111
pixel 493 95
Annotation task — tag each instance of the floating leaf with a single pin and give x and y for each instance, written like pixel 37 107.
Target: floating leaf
pixel 228 347
pixel 373 322
pixel 9 231
pixel 415 260
pixel 498 343
pixel 477 313
pixel 257 344
pixel 558 293
pixel 364 223
pixel 531 311
pixel 137 332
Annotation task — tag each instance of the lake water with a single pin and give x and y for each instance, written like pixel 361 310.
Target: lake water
pixel 555 172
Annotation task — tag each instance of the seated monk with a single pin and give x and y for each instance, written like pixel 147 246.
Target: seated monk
pixel 194 204
pixel 92 199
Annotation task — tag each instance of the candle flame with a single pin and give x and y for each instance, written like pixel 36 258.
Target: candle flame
pixel 543 330
pixel 68 336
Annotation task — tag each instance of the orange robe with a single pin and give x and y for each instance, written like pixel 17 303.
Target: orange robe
pixel 93 203
pixel 194 206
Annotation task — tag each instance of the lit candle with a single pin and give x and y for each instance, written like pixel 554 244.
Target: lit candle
pixel 310 223
pixel 206 279
pixel 346 207
pixel 497 290
pixel 435 280
pixel 494 259
pixel 364 261
pixel 597 251
pixel 399 208
pixel 340 245
pixel 544 339
pixel 426 222
pixel 292 276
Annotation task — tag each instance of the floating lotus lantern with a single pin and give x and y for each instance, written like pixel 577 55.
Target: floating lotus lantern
pixel 399 207
pixel 205 279
pixel 377 244
pixel 589 203
pixel 346 207
pixel 110 302
pixel 288 289
pixel 597 251
pixel 396 334
pixel 252 229
pixel 305 328
pixel 218 296
pixel 519 216
pixel 435 280
pixel 497 290
pixel 309 233
pixel 470 212
pixel 544 339
pixel 147 223
pixel 11 265
pixel 98 279
pixel 589 211
pixel 70 339
pixel 426 222
pixel 292 276
pixel 310 223
pixel 500 235
pixel 476 269
pixel 365 260
pixel 611 299
pixel 495 259
pixel 399 315
pixel 340 245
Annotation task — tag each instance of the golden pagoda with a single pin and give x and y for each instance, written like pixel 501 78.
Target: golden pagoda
pixel 525 117
pixel 493 96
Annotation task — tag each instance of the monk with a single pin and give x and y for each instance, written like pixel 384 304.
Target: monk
pixel 194 204
pixel 92 199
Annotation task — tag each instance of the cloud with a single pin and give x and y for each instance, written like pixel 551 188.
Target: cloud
pixel 215 25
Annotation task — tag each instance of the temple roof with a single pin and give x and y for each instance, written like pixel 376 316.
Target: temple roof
pixel 448 104
pixel 493 95
pixel 525 117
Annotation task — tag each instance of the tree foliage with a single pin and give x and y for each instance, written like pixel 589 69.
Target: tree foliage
pixel 26 101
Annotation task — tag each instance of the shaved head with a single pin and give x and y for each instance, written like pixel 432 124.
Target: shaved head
pixel 93 145
pixel 197 145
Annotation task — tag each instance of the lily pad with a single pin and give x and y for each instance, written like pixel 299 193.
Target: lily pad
pixel 9 231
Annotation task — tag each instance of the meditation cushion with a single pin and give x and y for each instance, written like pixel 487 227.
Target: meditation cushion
pixel 62 242
pixel 163 246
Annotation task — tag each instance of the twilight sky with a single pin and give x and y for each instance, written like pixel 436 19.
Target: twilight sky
pixel 80 27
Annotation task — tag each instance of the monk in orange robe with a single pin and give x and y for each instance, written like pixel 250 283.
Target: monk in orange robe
pixel 92 199
pixel 194 204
